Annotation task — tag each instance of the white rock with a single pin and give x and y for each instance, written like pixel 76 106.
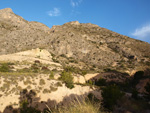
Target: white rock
pixel 57 76
pixel 79 79
pixel 89 76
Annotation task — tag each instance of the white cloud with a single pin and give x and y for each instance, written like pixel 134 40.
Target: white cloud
pixel 54 12
pixel 75 3
pixel 142 33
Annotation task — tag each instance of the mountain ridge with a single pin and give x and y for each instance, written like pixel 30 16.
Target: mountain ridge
pixel 88 43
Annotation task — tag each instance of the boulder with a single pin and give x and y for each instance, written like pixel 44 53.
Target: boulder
pixel 89 76
pixel 79 79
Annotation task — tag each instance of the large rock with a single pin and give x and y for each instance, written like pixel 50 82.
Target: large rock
pixel 79 79
pixel 90 76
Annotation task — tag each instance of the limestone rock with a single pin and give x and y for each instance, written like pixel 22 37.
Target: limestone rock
pixel 79 79
pixel 89 76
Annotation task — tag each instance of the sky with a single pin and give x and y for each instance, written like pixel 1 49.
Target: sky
pixel 127 17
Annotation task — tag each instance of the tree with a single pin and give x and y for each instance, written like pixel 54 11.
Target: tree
pixel 110 95
pixel 67 78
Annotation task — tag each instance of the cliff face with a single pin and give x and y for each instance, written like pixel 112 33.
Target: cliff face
pixel 88 43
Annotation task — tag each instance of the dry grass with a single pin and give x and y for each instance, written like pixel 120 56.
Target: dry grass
pixel 80 108
pixel 84 106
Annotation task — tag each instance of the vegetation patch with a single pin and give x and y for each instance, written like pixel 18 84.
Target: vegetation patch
pixel 53 88
pixel 5 67
pixel 67 78
pixel 58 84
pixel 84 106
pixel 46 91
pixel 101 82
pixel 75 70
pixel 42 82
pixel 51 76
pixel 111 94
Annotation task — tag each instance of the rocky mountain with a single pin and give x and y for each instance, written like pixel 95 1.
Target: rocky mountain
pixel 44 67
pixel 88 43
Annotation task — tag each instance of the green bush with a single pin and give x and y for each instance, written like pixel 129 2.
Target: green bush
pixel 51 76
pixel 24 107
pixel 4 67
pixel 100 82
pixel 75 70
pixel 90 82
pixel 111 94
pixel 70 69
pixel 67 78
pixel 24 104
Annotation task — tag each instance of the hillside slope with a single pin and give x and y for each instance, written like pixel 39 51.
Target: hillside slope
pixel 96 47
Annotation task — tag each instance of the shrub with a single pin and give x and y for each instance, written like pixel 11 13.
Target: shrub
pixel 55 60
pixel 24 104
pixel 4 68
pixel 108 69
pixel 46 91
pixel 58 84
pixel 75 70
pixel 51 76
pixel 100 82
pixel 24 107
pixel 110 95
pixel 83 72
pixel 93 98
pixel 90 82
pixel 42 82
pixel 63 55
pixel 34 68
pixel 53 88
pixel 28 81
pixel 45 69
pixel 69 69
pixel 67 78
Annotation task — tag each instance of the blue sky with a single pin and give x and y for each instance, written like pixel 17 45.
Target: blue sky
pixel 127 17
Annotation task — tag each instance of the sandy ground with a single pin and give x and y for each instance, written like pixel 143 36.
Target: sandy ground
pixel 58 94
pixel 46 89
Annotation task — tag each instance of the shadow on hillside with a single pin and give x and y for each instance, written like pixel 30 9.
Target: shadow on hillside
pixel 30 103
pixel 112 76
